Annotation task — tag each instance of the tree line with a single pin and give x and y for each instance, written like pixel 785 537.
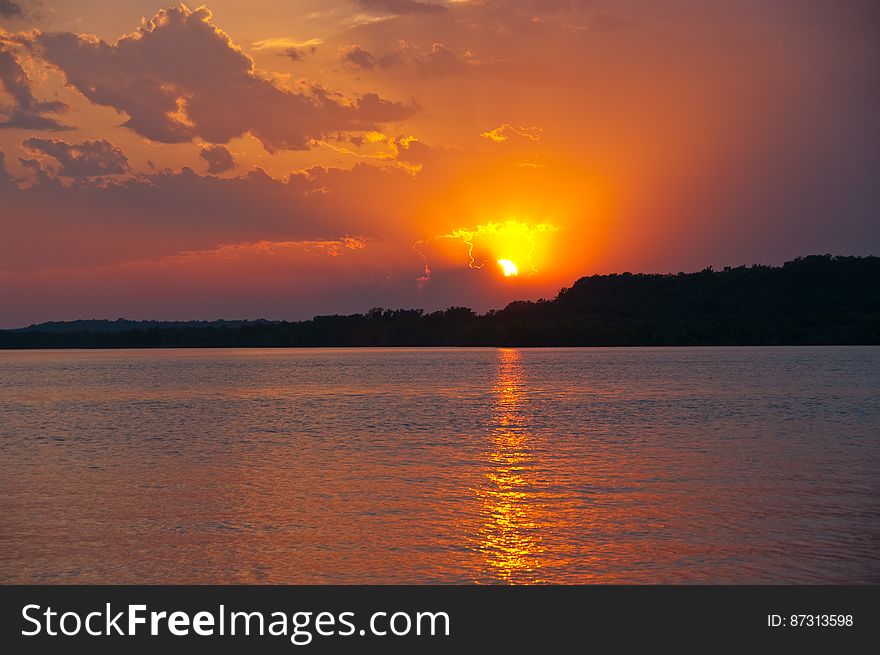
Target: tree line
pixel 819 299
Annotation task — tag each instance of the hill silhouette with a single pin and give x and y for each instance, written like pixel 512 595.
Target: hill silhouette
pixel 819 299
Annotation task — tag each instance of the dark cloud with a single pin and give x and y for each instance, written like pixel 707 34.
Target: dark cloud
pixel 439 61
pixel 180 77
pixel 84 159
pixel 412 151
pixel 299 53
pixel 37 170
pixel 26 111
pixel 5 177
pixel 402 6
pixel 357 57
pixel 10 9
pixel 15 80
pixel 219 158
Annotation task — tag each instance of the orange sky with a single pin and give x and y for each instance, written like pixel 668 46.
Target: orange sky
pixel 284 158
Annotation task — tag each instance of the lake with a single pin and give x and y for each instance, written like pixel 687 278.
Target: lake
pixel 617 465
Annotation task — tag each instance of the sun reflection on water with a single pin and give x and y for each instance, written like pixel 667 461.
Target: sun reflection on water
pixel 509 537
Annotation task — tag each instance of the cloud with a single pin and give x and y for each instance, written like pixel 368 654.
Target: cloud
pixel 179 77
pixel 283 43
pixel 402 6
pixel 84 159
pixel 219 158
pixel 439 61
pixel 5 177
pixel 328 247
pixel 10 9
pixel 86 222
pixel 298 51
pixel 504 131
pixel 26 112
pixel 35 166
pixel 357 57
pixel 523 236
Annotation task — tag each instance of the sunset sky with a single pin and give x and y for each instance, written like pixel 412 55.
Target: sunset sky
pixel 285 158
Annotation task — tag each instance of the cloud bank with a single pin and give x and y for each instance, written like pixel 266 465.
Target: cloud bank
pixel 179 77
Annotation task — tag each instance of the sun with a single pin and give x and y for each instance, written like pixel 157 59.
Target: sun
pixel 508 267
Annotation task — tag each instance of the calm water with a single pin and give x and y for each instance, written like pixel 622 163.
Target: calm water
pixel 730 465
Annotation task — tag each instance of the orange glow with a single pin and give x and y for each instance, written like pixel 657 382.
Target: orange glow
pixel 510 538
pixel 508 267
pixel 505 242
pixel 442 160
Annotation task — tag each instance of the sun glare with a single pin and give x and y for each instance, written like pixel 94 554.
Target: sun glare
pixel 508 267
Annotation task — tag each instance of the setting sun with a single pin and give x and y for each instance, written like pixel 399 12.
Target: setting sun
pixel 439 292
pixel 508 267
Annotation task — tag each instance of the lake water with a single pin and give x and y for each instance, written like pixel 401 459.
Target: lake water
pixel 718 465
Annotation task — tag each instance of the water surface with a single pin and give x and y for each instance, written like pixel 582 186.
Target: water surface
pixel 721 465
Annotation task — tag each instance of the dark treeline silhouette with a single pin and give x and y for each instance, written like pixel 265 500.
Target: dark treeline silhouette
pixel 811 300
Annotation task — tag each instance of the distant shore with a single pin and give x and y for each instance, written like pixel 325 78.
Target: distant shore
pixel 815 300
